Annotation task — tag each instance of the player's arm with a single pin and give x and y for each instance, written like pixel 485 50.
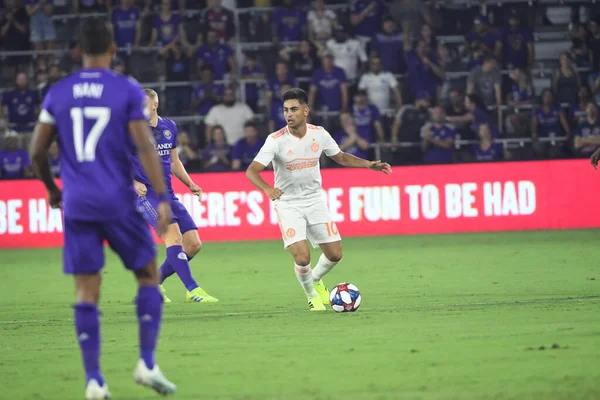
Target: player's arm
pixel 43 135
pixel 350 161
pixel 332 150
pixel 264 157
pixel 179 171
pixel 144 142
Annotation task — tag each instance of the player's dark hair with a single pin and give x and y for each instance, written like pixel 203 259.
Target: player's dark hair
pixel 295 94
pixel 95 36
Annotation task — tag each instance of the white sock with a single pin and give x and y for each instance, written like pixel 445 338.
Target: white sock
pixel 305 277
pixel 322 268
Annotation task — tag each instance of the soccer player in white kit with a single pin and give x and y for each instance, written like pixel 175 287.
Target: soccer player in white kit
pixel 303 215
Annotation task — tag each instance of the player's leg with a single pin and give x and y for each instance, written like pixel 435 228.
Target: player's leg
pixel 83 257
pixel 130 238
pixel 191 247
pixel 293 231
pixel 323 232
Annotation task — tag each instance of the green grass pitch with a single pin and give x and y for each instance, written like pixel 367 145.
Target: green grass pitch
pixel 487 316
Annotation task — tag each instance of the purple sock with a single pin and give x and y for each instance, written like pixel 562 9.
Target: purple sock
pixel 178 260
pixel 149 312
pixel 87 326
pixel 165 271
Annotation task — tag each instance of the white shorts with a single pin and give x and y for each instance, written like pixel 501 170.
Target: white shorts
pixel 300 222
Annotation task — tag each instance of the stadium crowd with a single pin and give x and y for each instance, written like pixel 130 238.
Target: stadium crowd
pixel 407 81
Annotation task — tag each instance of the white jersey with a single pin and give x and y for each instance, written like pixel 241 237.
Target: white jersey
pixel 296 162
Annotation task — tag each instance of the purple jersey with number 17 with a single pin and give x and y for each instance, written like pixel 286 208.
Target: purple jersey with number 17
pixel 91 110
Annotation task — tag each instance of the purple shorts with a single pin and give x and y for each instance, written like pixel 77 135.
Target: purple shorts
pixel 181 216
pixel 129 237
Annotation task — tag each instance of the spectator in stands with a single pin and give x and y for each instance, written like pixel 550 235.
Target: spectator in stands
pixel 388 44
pixel 303 60
pixel 331 85
pixel 119 66
pixel 594 85
pixel 207 93
pixel 438 138
pixel 366 17
pixel 220 56
pixel 379 85
pixel 578 111
pixel 153 6
pixel 321 22
pixel 515 44
pixel 566 81
pixel 548 121
pixel 126 24
pixel 167 27
pixel 348 54
pixel 231 115
pixel 247 148
pixel 367 118
pixel 411 15
pixel 178 70
pixel 41 81
pixel 90 6
pixel 184 148
pixel 486 81
pixel 217 156
pixel 252 70
pixel 276 118
pixel 220 20
pixel 482 42
pixel 14 159
pixel 410 119
pixel 486 149
pixel 21 104
pixel 54 75
pixel 456 108
pixel 42 29
pixel 71 61
pixel 350 140
pixel 289 23
pixel 594 43
pixel 282 77
pixel 520 94
pixel 54 159
pixel 477 114
pixel 14 34
pixel 423 68
pixel 587 134
pixel 580 53
pixel 428 36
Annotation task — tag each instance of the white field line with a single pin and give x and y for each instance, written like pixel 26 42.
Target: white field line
pixel 201 314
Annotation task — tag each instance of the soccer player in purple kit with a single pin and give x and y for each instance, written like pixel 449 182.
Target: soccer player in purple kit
pixel 98 116
pixel 181 237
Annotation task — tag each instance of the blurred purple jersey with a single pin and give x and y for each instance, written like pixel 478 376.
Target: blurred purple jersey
pixel 91 110
pixel 165 135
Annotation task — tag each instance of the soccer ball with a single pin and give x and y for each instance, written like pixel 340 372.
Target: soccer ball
pixel 345 297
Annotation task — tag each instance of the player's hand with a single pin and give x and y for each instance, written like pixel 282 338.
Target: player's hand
pixel 196 190
pixel 164 218
pixel 140 188
pixel 380 166
pixel 274 193
pixel 55 198
pixel 595 157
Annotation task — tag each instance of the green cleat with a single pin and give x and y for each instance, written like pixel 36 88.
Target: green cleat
pixel 323 292
pixel 315 304
pixel 199 295
pixel 163 293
